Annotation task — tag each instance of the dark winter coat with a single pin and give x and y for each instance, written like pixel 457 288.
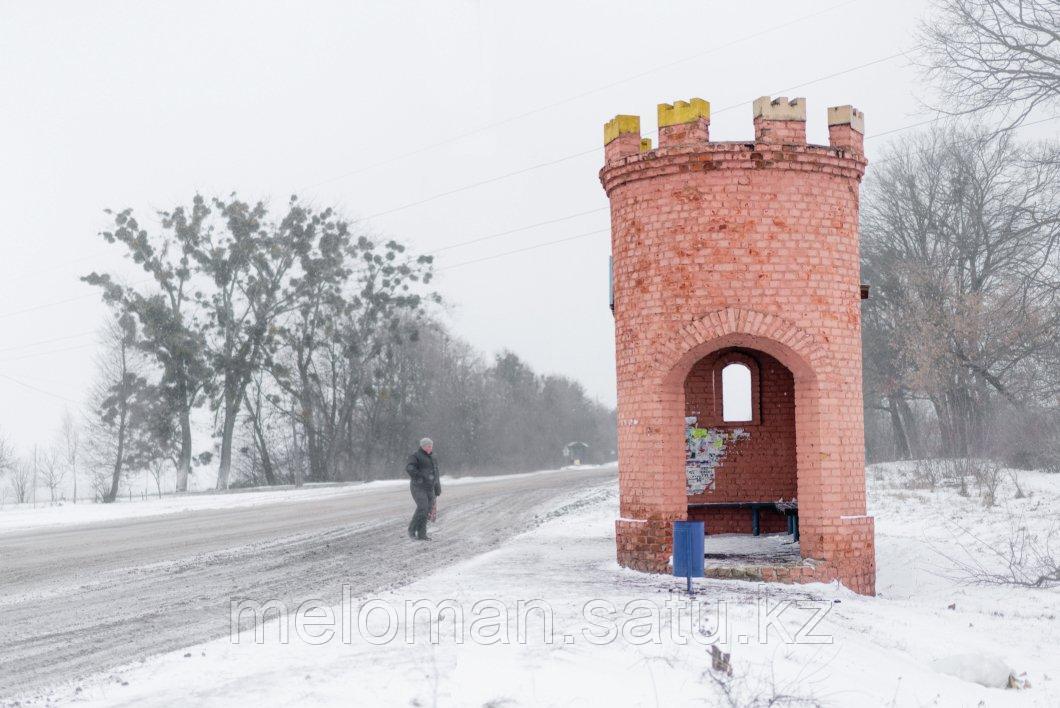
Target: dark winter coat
pixel 423 471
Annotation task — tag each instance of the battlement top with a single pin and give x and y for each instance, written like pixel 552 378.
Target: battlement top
pixel 777 121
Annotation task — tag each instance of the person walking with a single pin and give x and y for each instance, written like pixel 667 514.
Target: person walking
pixel 424 485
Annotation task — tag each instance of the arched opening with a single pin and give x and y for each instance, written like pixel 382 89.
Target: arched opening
pixel 736 393
pixel 740 443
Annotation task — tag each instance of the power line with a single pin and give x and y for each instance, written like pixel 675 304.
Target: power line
pixel 480 183
pixel 34 355
pixel 904 127
pixel 31 387
pixel 566 158
pixel 504 176
pixel 527 248
pixel 569 216
pixel 45 305
pixel 942 117
pixel 514 231
pixel 496 255
pixel 590 233
pixel 583 94
pixel 47 341
pixel 60 266
pixel 966 140
pixel 55 303
pixel 549 106
pixel 568 100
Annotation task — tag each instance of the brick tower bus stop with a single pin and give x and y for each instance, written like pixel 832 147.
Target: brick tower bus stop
pixel 736 291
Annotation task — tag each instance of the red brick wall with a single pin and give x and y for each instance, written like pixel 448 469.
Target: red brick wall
pixel 751 245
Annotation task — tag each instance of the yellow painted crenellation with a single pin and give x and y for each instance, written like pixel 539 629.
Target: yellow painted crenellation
pixel 620 125
pixel 680 112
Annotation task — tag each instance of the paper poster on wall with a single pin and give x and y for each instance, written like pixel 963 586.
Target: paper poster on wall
pixel 704 450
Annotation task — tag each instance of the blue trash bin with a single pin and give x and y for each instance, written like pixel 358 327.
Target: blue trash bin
pixel 688 550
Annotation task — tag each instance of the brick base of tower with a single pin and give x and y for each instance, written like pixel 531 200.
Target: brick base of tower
pixel 646 546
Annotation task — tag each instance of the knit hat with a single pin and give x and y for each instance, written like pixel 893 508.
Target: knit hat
pixel 425 442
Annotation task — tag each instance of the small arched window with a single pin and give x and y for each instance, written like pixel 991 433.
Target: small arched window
pixel 736 393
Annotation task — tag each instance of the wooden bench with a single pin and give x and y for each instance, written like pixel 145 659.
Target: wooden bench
pixel 789 509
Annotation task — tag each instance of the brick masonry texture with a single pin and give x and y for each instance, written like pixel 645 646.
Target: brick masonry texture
pixel 730 250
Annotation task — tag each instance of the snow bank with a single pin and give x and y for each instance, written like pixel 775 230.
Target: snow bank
pixel 988 671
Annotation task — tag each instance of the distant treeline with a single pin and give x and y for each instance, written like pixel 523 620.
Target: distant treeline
pixel 314 348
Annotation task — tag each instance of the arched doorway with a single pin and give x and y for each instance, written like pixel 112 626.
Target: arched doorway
pixel 740 442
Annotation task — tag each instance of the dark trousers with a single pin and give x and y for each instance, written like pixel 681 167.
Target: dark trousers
pixel 424 498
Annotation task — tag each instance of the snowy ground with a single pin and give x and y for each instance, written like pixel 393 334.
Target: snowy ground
pixel 26 516
pixel 901 648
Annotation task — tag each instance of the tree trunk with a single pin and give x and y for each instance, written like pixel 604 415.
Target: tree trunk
pixel 312 441
pixel 296 462
pixel 312 444
pixel 232 398
pixel 184 466
pixel 901 440
pixel 116 477
pixel 259 439
pixel 946 432
pixel 909 426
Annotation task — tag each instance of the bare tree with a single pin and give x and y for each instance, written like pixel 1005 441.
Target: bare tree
pixel 22 480
pixel 7 456
pixel 70 442
pixel 7 461
pixel 258 409
pixel 52 472
pixel 100 480
pixel 119 402
pixel 994 53
pixel 961 242
pixel 157 468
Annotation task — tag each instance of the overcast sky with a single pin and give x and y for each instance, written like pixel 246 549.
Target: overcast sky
pixel 142 104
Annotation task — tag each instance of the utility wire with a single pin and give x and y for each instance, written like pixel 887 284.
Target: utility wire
pixel 45 305
pixel 967 140
pixel 527 248
pixel 554 220
pixel 47 341
pixel 34 355
pixel 589 233
pixel 498 234
pixel 31 387
pixel 567 158
pixel 583 94
pixel 597 149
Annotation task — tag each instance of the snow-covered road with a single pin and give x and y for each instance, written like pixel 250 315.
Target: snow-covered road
pixel 80 598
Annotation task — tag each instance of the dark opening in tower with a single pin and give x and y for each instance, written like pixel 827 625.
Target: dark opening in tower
pixel 740 442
